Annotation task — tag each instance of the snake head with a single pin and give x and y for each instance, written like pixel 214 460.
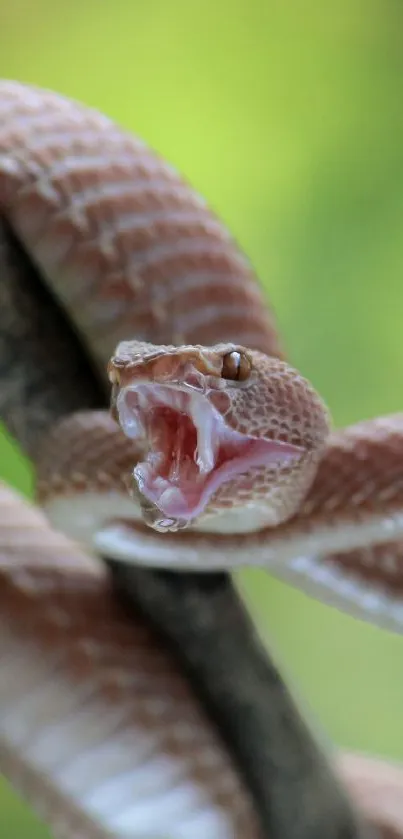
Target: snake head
pixel 224 432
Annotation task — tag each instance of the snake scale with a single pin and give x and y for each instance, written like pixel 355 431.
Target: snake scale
pixel 216 454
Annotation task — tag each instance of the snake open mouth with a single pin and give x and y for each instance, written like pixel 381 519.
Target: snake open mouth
pixel 191 451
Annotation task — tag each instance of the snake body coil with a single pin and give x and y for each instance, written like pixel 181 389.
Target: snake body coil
pixel 216 433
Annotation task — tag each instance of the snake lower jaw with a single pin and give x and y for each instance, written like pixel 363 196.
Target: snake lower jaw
pixel 190 454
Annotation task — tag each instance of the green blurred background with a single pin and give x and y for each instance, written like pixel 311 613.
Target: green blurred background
pixel 289 118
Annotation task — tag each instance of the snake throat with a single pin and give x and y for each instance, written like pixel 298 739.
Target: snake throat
pixel 190 450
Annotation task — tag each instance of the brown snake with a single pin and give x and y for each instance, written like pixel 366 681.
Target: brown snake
pixel 223 439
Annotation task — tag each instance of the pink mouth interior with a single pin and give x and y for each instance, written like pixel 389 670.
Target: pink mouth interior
pixel 191 450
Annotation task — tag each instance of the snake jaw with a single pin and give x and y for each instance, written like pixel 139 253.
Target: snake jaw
pixel 191 450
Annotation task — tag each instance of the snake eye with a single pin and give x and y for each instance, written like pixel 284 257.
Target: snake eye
pixel 236 366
